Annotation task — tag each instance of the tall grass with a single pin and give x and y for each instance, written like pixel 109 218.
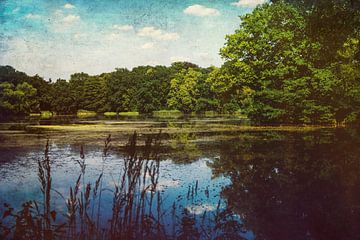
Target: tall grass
pixel 167 114
pixel 137 210
pixel 85 114
pixel 128 114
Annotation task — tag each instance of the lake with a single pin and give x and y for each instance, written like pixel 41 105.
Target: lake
pixel 199 178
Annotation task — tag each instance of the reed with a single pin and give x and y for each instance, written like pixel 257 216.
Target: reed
pixel 137 210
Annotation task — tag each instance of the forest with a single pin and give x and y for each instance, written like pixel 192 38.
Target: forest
pixel 289 62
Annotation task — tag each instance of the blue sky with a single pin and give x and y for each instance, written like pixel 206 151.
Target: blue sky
pixel 57 38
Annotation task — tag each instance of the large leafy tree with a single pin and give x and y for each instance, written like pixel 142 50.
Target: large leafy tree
pixel 272 58
pixel 329 22
pixel 346 99
pixel 228 89
pixel 153 87
pixel 44 92
pixel 17 100
pixel 184 91
pixel 64 101
pixel 120 91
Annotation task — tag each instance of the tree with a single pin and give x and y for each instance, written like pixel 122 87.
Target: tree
pixel 44 92
pixel 64 101
pixel 7 99
pixel 227 88
pixel 346 99
pixel 28 101
pixel 19 100
pixel 329 22
pixel 184 92
pixel 271 58
pixel 153 87
pixel 11 75
pixel 120 91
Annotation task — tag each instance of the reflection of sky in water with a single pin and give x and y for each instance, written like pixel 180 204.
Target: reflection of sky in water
pixel 280 182
pixel 177 182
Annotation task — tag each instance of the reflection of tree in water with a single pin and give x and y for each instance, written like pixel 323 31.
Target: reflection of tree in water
pixel 184 149
pixel 304 187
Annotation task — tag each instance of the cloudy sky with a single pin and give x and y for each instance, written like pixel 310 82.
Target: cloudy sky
pixel 57 38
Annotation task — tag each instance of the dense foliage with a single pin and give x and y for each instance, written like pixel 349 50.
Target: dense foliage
pixel 290 71
pixel 144 89
pixel 288 62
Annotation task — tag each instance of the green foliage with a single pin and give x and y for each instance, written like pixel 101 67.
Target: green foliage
pixel 346 98
pixel 120 91
pixel 167 113
pixel 85 113
pixel 128 114
pixel 294 62
pixel 88 91
pixel 17 100
pixel 279 72
pixel 110 114
pixel 183 90
pixel 226 88
pixel 153 87
pixel 46 114
pixel 65 101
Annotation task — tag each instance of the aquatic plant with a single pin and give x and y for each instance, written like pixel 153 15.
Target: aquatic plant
pixel 137 210
pixel 128 114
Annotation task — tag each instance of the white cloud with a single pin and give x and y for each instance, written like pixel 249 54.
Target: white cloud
pixel 248 3
pixel 205 57
pixel 62 22
pixel 158 34
pixel 32 16
pixel 179 59
pixel 165 184
pixel 148 45
pixel 201 11
pixel 71 19
pixel 79 36
pixel 112 37
pixel 69 6
pixel 200 209
pixel 124 28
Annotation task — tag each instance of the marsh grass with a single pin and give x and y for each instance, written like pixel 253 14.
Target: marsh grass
pixel 128 114
pixel 42 114
pixel 85 114
pixel 110 114
pixel 168 114
pixel 137 210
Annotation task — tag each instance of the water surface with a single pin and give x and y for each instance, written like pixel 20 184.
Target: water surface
pixel 265 182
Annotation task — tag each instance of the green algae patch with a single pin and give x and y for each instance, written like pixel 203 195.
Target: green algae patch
pixel 167 114
pixel 128 114
pixel 85 114
pixel 110 114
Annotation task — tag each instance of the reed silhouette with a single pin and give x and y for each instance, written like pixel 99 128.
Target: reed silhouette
pixel 137 210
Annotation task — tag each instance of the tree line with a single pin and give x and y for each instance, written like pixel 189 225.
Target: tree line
pixel 144 89
pixel 288 62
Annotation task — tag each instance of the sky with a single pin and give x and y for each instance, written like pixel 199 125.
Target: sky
pixel 55 39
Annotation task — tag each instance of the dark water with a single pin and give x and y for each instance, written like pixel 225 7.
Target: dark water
pixel 250 183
